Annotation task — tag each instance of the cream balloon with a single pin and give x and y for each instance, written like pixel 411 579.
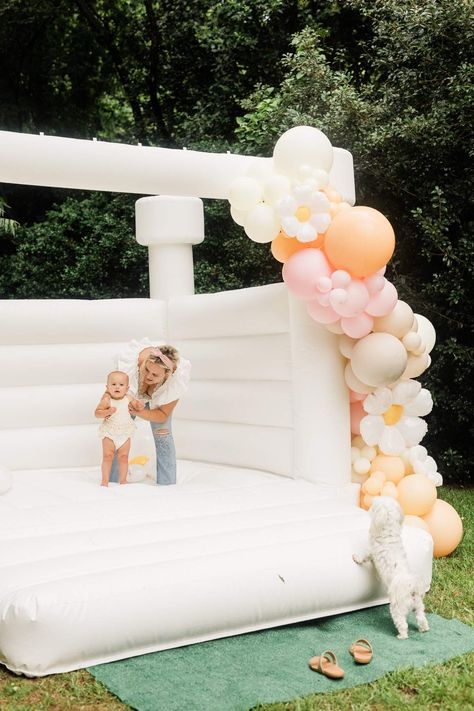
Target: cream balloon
pixel 353 383
pixel 378 359
pixel 238 215
pixel 302 145
pixel 245 193
pixel 261 224
pixel 426 331
pixel 275 187
pixel 398 322
pixel 346 345
pixel 335 328
pixel 416 365
pixel 260 169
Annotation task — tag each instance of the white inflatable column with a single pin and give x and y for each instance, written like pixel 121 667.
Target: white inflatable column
pixel 321 414
pixel 169 226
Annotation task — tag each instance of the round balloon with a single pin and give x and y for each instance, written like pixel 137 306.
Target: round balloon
pixel 445 526
pixel 302 271
pixel 398 322
pixel 360 240
pixel 302 146
pixel 283 246
pixel 392 467
pixel 261 224
pixel 378 359
pixel 416 494
pixel 427 332
pixel 245 193
pixel 416 521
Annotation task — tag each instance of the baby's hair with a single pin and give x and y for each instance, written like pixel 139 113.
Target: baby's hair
pixel 117 372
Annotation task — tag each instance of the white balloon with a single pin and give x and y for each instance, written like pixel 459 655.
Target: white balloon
pixel 416 365
pixel 262 224
pixel 302 146
pixel 261 169
pixel 379 359
pixel 245 193
pixel 426 331
pixel 361 465
pixel 5 480
pixel 275 188
pixel 238 215
pixel 136 473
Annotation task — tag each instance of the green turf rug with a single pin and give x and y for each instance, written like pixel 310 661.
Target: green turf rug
pixel 236 673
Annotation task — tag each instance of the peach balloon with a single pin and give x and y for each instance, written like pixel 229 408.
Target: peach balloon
pixel 392 467
pixel 360 240
pixel 283 246
pixel 367 501
pixel 416 522
pixel 445 526
pixel 389 489
pixel 416 494
pixel 373 485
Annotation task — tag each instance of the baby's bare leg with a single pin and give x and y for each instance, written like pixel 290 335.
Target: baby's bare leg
pixel 108 449
pixel 122 458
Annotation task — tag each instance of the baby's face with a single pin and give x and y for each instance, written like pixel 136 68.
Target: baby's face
pixel 117 385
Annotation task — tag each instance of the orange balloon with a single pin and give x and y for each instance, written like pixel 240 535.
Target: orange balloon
pixel 416 522
pixel 332 194
pixel 367 501
pixel 283 246
pixel 373 485
pixel 416 494
pixel 392 467
pixel 360 240
pixel 445 526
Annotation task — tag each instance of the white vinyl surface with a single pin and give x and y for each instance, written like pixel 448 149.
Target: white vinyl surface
pixel 90 575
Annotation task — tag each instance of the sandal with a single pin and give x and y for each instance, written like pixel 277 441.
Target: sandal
pixel 362 651
pixel 326 664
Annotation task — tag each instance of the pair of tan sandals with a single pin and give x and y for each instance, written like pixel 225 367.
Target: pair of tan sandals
pixel 326 663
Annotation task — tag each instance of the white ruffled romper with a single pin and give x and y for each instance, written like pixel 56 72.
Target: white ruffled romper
pixel 120 425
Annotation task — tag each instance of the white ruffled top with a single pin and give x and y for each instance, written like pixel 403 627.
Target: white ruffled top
pixel 171 390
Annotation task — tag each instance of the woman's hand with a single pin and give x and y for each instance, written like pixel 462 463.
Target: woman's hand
pixel 136 407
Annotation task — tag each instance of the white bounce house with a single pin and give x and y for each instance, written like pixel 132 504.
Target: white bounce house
pixel 261 527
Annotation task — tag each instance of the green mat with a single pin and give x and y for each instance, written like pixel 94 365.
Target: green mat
pixel 236 673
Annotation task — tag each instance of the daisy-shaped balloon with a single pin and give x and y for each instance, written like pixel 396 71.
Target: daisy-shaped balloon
pixel 304 213
pixel 394 415
pixel 422 463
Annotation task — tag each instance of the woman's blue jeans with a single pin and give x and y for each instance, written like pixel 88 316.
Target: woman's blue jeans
pixel 165 454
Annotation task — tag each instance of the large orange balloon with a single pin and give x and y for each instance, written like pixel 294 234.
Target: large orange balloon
pixel 360 240
pixel 283 246
pixel 445 526
pixel 416 494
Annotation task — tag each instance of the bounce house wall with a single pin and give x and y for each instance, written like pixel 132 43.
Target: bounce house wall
pixel 267 387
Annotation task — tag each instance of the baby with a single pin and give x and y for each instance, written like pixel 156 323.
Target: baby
pixel 117 426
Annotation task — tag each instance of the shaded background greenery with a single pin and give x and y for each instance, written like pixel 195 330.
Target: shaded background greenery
pixel 390 81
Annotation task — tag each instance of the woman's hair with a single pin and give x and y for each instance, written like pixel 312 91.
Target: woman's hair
pixel 170 353
pixel 167 351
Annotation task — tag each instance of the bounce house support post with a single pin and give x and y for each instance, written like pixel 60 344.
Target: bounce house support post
pixel 169 226
pixel 320 402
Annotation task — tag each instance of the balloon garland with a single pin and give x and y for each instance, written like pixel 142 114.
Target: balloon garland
pixel 334 258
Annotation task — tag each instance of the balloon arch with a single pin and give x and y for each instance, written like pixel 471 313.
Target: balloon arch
pixel 334 258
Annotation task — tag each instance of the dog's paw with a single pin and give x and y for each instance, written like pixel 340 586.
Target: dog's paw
pixel 402 635
pixel 356 559
pixel 424 627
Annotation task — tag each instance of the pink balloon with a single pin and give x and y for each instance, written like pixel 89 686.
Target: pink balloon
pixel 357 326
pixel 383 302
pixel 375 283
pixel 357 299
pixel 355 397
pixel 302 271
pixel 340 278
pixel 357 413
pixel 321 314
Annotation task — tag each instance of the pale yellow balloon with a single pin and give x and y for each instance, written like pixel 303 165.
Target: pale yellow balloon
pixel 389 489
pixel 398 322
pixel 416 522
pixel 416 494
pixel 416 365
pixel 445 526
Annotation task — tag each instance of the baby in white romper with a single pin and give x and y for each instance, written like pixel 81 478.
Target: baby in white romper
pixel 117 424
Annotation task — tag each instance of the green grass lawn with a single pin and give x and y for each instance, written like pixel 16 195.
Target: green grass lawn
pixel 446 686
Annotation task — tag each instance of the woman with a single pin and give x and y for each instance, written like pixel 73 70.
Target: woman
pixel 158 376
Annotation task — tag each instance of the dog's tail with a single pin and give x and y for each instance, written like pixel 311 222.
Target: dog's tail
pixel 404 583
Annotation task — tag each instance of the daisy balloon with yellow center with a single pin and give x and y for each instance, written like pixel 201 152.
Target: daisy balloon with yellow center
pixel 394 416
pixel 304 213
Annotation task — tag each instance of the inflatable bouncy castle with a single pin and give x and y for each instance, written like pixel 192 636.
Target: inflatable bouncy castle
pixel 303 406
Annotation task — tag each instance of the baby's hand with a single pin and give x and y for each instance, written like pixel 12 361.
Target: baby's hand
pixel 138 405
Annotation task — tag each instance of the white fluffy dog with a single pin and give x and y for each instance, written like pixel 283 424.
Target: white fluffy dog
pixel 387 554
